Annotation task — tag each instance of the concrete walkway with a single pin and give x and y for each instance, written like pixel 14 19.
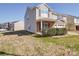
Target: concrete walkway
pixel 73 33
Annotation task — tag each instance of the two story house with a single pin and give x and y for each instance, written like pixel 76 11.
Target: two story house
pixel 42 17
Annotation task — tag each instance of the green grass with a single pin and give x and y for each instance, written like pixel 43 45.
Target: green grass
pixel 71 42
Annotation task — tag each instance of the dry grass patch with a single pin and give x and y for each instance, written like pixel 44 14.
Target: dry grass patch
pixel 29 45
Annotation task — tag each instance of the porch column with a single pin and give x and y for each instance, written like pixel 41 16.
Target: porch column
pixel 41 25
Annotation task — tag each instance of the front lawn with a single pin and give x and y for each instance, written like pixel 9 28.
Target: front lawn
pixel 27 45
pixel 71 42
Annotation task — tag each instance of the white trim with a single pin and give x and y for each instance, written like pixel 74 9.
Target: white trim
pixel 41 25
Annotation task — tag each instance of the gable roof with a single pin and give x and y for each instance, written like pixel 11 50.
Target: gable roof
pixel 44 4
pixel 60 22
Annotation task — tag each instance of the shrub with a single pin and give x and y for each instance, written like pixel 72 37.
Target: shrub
pixel 64 31
pixel 61 31
pixel 55 31
pixel 51 32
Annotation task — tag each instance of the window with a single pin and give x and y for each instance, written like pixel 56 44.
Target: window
pixel 44 11
pixel 45 26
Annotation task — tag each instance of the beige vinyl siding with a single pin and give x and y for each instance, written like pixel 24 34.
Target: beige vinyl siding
pixel 19 26
pixel 70 23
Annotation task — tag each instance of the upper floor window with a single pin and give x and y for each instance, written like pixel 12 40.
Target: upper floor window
pixel 44 11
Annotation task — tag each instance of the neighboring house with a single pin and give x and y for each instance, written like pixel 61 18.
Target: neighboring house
pixel 5 26
pixel 70 23
pixel 12 26
pixel 19 25
pixel 76 21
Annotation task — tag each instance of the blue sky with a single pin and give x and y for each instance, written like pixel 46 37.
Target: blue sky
pixel 11 11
